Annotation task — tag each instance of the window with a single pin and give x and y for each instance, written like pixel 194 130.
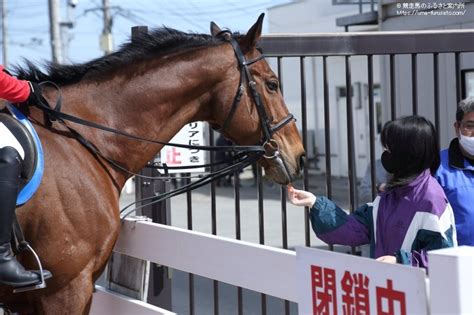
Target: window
pixel 467 77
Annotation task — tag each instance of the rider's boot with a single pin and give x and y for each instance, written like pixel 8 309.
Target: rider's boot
pixel 11 271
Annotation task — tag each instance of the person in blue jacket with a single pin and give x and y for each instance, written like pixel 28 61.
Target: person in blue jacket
pixel 456 172
pixel 409 218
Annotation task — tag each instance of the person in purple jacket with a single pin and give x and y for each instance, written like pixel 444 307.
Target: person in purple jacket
pixel 409 218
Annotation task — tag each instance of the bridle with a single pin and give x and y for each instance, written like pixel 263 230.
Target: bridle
pixel 270 146
pixel 245 155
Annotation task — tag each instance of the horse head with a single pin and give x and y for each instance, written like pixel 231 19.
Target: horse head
pixel 249 107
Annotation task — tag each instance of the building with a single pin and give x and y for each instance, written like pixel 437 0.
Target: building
pixel 316 16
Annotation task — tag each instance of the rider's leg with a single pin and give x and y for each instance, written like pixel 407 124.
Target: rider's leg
pixel 11 271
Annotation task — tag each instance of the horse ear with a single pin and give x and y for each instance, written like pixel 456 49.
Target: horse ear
pixel 254 32
pixel 215 29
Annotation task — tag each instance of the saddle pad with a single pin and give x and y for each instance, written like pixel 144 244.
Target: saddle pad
pixel 33 164
pixel 8 139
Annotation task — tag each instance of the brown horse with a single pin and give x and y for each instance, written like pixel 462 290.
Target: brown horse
pixel 150 88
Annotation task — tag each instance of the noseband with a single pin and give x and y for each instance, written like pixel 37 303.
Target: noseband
pixel 270 145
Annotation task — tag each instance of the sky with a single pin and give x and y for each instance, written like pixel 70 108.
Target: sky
pixel 27 23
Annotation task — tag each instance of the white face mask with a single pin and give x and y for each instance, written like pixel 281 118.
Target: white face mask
pixel 467 143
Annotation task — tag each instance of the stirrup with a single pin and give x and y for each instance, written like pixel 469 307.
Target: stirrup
pixel 41 284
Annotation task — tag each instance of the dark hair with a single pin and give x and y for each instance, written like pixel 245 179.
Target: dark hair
pixel 464 107
pixel 413 148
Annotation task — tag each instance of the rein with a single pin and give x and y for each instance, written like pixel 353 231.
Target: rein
pixel 243 162
pixel 54 114
pixel 245 155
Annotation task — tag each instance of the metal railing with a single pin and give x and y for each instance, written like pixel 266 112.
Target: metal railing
pixel 428 93
pixel 359 3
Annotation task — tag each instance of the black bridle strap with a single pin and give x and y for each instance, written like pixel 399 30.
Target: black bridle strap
pixel 251 62
pixel 256 97
pixel 282 123
pixel 267 129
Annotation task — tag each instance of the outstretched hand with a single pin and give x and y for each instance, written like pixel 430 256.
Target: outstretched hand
pixel 300 197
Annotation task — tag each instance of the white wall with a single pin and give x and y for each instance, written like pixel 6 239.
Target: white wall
pixel 391 21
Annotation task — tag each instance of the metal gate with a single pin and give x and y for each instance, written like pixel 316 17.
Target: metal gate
pixel 423 72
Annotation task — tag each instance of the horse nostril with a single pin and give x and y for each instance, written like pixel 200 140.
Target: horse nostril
pixel 302 162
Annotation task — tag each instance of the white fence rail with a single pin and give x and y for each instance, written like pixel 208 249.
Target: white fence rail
pixel 252 266
pixel 107 302
pixel 263 269
pixel 247 265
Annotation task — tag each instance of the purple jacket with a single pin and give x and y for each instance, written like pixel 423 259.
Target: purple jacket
pixel 405 221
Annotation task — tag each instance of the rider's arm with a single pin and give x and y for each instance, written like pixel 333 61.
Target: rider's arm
pixel 12 89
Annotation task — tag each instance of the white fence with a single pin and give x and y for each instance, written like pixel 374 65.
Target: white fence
pixel 252 266
pixel 263 269
pixel 107 302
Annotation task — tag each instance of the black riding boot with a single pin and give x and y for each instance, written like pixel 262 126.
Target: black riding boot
pixel 11 271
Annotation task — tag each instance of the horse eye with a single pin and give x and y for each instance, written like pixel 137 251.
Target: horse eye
pixel 272 85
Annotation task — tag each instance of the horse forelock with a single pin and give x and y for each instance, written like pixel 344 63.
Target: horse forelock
pixel 157 43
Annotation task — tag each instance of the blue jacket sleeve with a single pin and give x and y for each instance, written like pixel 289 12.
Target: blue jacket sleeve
pixel 334 226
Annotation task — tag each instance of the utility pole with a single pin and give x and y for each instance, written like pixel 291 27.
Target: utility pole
pixel 106 43
pixel 4 33
pixel 55 35
pixel 66 26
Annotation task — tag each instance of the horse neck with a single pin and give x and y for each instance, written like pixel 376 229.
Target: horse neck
pixel 151 99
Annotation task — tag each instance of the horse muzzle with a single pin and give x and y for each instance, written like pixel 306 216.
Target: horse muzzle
pixel 277 167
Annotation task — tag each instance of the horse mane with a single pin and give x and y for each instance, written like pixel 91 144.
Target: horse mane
pixel 159 42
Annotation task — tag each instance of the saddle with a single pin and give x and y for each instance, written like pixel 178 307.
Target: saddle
pixel 30 176
pixel 33 161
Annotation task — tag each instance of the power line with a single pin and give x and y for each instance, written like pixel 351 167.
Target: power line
pixel 199 19
pixel 34 43
pixel 187 15
pixel 217 9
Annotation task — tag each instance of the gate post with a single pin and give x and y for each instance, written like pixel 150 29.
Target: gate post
pixel 452 280
pixel 159 279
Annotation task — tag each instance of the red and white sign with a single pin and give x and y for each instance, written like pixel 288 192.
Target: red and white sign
pixel 333 283
pixel 191 134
